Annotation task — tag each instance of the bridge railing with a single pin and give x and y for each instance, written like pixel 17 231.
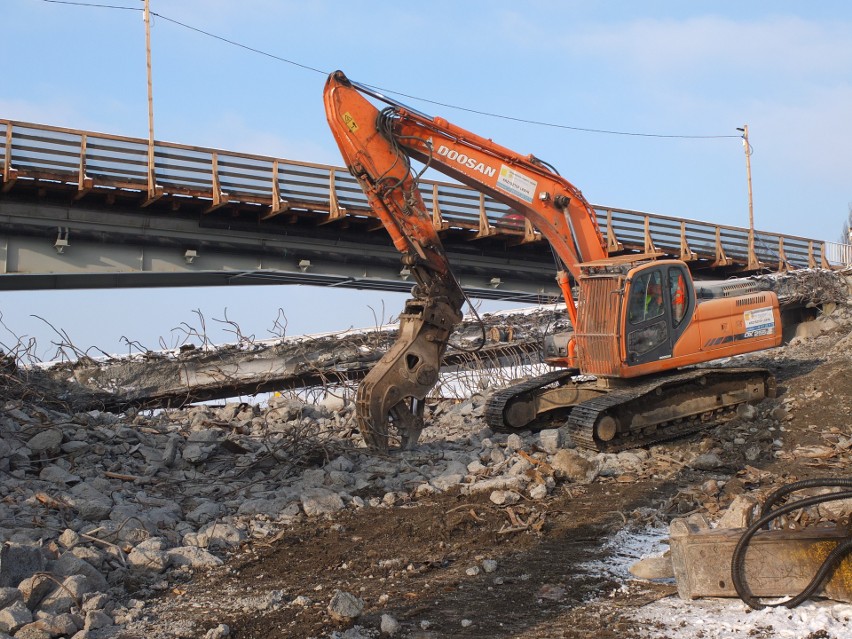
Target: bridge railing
pixel 718 244
pixel 87 161
pixel 839 254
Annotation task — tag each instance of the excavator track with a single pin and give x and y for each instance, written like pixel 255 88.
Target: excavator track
pixel 494 409
pixel 583 417
pixel 667 408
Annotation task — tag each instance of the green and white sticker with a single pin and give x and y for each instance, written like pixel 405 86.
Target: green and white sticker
pixel 516 183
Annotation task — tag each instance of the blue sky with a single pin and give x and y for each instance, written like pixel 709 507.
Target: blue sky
pixel 661 67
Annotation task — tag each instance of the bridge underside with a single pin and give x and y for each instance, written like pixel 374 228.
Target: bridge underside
pixel 50 246
pixel 80 209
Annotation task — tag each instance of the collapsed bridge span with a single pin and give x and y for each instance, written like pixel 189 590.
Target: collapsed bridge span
pixel 512 343
pixel 191 374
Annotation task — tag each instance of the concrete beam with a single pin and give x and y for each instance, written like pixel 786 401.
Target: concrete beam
pixel 192 374
pixel 48 246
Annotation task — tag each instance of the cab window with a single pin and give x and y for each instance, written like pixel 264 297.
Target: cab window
pixel 647 338
pixel 646 298
pixel 677 295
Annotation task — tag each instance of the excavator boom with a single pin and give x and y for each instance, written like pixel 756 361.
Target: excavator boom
pixel 372 140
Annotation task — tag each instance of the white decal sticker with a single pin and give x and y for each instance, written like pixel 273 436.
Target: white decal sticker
pixel 516 184
pixel 760 321
pixel 464 160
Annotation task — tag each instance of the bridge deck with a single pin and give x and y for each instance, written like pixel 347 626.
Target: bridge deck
pixel 269 195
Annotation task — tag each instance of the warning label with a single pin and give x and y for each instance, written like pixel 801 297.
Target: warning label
pixel 350 122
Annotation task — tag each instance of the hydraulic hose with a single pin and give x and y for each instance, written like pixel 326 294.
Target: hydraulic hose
pixel 801 485
pixel 825 571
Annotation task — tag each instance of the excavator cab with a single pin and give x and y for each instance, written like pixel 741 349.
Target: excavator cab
pixel 633 313
pixel 657 311
pixel 644 316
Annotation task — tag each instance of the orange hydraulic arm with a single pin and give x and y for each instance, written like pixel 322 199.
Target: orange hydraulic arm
pixel 393 392
pixel 553 205
pixel 377 147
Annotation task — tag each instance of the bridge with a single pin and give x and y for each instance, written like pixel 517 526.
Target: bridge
pixel 80 209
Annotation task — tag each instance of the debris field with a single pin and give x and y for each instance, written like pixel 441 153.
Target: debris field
pixel 273 520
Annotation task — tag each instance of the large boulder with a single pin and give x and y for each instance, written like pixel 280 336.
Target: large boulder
pixel 571 465
pixel 345 606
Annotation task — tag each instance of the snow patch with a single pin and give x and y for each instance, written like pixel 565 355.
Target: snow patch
pixel 715 618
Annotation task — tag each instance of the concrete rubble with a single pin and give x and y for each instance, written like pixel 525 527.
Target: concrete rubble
pixel 100 511
pixel 94 501
pixel 194 373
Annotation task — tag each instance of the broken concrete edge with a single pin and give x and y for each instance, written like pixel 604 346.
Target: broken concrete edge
pixel 780 563
pixel 121 384
pixel 176 378
pixel 380 337
pixel 812 286
pixel 177 390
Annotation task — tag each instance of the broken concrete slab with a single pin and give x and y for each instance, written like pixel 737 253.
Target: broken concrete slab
pixel 193 557
pixel 319 501
pixel 190 374
pixel 779 563
pixel 14 617
pixel 18 562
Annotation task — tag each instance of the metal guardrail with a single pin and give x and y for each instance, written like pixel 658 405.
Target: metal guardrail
pixel 839 254
pixel 87 161
pixel 716 244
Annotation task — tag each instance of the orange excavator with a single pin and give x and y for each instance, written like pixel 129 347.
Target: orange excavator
pixel 638 320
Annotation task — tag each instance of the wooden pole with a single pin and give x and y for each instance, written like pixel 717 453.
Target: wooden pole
pixel 152 183
pixel 753 262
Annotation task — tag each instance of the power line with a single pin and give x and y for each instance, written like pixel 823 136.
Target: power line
pixel 238 44
pixel 191 28
pixel 550 124
pixel 406 95
pixel 87 4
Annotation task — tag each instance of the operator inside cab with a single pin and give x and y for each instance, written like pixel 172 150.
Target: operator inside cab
pixel 653 300
pixel 646 300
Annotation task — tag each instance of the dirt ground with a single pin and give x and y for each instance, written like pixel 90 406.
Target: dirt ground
pixel 421 563
pixel 417 557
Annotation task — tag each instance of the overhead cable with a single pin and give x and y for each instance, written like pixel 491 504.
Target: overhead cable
pixel 406 95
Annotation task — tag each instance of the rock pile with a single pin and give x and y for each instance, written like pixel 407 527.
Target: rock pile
pixel 98 511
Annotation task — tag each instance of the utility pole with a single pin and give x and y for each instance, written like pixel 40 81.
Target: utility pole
pixel 153 191
pixel 753 262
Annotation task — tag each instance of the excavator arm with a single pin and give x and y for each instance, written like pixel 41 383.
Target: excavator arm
pixel 524 183
pixel 377 147
pixel 392 394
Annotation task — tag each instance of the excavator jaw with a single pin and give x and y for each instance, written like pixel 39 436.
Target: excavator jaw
pixel 392 395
